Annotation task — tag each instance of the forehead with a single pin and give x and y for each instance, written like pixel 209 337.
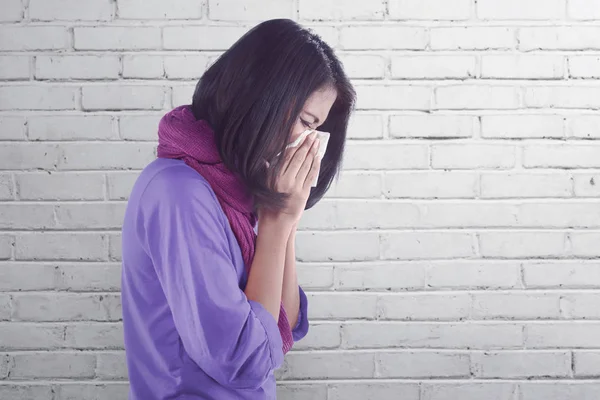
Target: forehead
pixel 319 102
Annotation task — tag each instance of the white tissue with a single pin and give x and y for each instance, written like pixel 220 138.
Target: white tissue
pixel 323 141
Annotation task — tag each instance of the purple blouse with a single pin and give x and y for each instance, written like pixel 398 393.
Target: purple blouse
pixel 190 331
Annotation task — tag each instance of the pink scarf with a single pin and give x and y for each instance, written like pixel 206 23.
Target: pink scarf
pixel 182 137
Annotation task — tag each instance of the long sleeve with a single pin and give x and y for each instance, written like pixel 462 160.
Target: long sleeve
pixel 234 340
pixel 301 328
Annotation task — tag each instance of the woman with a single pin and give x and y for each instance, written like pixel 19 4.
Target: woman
pixel 209 306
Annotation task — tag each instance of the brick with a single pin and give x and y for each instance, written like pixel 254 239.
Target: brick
pixel 521 364
pixel 522 126
pixel 394 97
pixel 182 95
pixel 383 37
pixel 585 185
pixel 560 390
pixel 426 245
pixel 92 391
pixel 95 335
pixel 423 364
pixel 430 184
pixel 586 364
pixel 6 187
pixel 473 275
pixel 472 38
pixel 61 246
pixel 201 37
pixel 5 307
pixel 364 66
pixel 156 9
pixel 521 9
pixel 425 306
pixel 139 127
pixel 12 128
pixel 90 215
pixel 433 67
pixel 89 277
pixel 28 156
pixel 516 305
pixel 38 97
pixel 565 334
pixel 583 244
pixel 295 391
pixel 378 276
pixel 53 365
pixel 580 305
pixel 114 246
pixel 555 215
pixel 583 10
pixel 342 306
pixel 431 126
pixel 60 186
pixel 250 10
pixel 76 67
pixel 27 276
pixel 468 391
pixel 111 365
pixel 21 336
pixel 519 185
pixel 340 10
pixel 321 336
pixel 117 38
pixel 26 391
pixel 561 156
pixel 27 216
pixel 66 307
pixel 476 97
pixel 28 38
pixel 120 184
pixel 522 67
pixel 584 67
pixel 561 97
pixel 86 10
pixel 143 67
pixel 189 66
pixel 12 11
pixel 461 335
pixel 123 97
pixel 365 126
pixel 472 156
pixel 14 68
pixel 315 277
pixel 340 214
pixel 584 127
pixel 563 274
pixel 341 246
pixel 559 38
pixel 376 156
pixel 72 127
pixel 522 244
pixel 356 185
pixel 333 365
pixel 430 9
pixel 373 390
pixel 468 214
pixel 93 156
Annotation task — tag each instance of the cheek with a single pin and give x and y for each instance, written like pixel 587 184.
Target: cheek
pixel 297 130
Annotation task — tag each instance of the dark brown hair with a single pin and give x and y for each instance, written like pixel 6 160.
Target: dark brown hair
pixel 252 97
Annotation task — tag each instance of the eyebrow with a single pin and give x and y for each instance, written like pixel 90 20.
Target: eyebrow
pixel 314 116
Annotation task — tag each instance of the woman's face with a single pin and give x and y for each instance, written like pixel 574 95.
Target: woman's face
pixel 315 111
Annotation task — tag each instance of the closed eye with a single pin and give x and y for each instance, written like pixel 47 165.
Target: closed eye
pixel 305 123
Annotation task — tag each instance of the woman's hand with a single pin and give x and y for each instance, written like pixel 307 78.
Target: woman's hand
pixel 299 170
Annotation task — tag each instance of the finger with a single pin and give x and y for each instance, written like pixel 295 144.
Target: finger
pixel 289 154
pixel 314 172
pixel 308 161
pixel 300 155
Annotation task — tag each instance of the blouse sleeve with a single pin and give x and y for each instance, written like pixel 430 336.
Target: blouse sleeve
pixel 234 340
pixel 301 328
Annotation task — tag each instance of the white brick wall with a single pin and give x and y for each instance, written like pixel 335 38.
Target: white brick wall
pixel 455 258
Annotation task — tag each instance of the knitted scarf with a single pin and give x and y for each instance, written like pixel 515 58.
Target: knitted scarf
pixel 182 137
